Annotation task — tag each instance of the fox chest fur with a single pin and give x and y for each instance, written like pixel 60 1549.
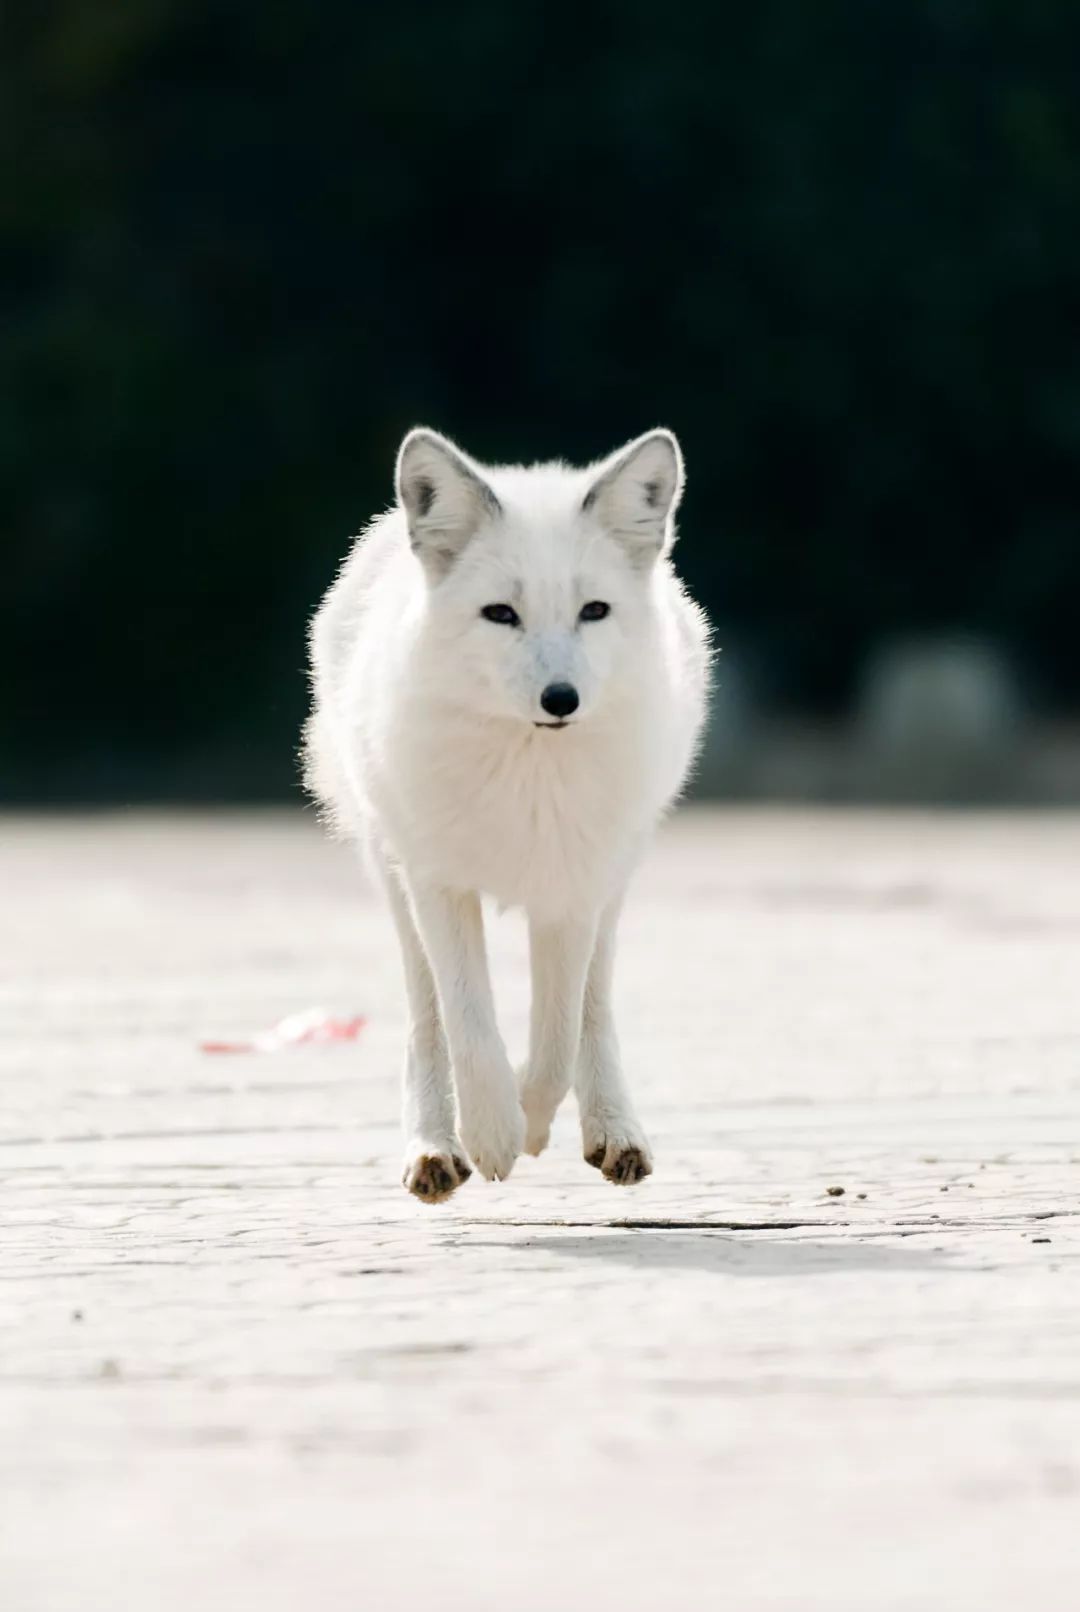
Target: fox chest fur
pixel 547 821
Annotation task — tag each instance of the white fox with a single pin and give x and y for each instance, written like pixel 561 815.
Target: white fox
pixel 509 688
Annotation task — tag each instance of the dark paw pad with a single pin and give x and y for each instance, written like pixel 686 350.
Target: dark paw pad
pixel 434 1176
pixel 628 1167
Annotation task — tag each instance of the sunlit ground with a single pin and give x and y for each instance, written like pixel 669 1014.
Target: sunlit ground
pixel 825 1358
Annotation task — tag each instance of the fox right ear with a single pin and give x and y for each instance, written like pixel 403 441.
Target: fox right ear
pixel 444 496
pixel 636 493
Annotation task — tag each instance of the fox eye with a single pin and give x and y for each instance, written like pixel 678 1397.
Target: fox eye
pixel 595 610
pixel 505 615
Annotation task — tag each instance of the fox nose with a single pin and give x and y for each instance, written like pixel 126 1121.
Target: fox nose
pixel 560 699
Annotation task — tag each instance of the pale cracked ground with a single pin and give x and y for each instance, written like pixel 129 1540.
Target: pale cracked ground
pixel 242 1369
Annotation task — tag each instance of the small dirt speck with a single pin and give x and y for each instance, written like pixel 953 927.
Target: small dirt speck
pixel 860 1194
pixel 835 1192
pixel 1040 1239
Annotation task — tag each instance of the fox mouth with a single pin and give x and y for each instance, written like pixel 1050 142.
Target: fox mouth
pixel 551 724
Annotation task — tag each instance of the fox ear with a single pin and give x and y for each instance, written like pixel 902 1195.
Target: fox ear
pixel 636 492
pixel 444 496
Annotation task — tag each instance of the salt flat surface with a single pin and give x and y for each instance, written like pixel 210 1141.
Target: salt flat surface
pixel 240 1367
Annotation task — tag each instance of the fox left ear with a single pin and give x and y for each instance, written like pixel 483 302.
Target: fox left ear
pixel 636 492
pixel 444 496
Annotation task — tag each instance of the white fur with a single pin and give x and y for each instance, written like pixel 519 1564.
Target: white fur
pixel 423 746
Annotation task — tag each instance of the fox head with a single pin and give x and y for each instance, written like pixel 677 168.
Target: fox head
pixel 538 582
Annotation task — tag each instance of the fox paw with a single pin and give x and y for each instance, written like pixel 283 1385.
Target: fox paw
pixel 494 1137
pixel 620 1153
pixel 432 1173
pixel 539 1113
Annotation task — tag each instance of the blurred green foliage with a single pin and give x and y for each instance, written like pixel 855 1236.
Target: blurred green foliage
pixel 245 244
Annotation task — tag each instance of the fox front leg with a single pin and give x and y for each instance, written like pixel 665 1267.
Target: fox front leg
pixel 491 1124
pixel 612 1137
pixel 559 954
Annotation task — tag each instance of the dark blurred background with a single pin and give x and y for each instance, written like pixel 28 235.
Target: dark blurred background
pixel 835 245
